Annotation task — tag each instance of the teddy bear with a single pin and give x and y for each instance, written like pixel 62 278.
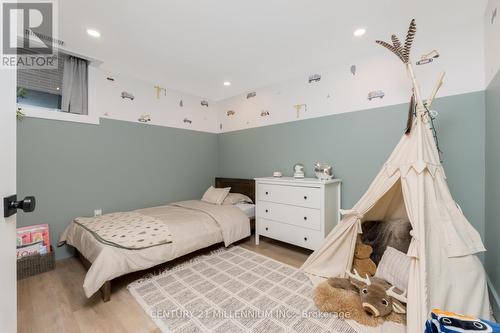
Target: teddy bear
pixel 362 262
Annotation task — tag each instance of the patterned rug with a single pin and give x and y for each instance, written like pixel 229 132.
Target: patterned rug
pixel 233 290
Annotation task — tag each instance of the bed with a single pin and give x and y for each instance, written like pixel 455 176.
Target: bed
pixel 192 225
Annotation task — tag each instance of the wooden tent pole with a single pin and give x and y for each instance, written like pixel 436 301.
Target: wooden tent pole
pixel 416 88
pixel 435 91
pixel 420 110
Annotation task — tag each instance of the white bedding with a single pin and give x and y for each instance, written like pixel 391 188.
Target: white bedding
pixel 248 209
pixel 193 224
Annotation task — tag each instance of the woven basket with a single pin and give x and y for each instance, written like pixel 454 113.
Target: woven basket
pixel 35 264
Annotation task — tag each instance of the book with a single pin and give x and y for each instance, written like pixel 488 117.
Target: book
pixel 33 239
pixel 30 249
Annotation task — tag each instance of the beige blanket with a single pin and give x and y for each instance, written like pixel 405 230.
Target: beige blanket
pixel 127 230
pixel 193 224
pixel 226 218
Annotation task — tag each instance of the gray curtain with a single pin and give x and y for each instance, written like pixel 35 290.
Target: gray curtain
pixel 75 86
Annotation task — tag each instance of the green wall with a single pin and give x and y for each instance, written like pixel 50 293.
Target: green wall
pixel 492 222
pixel 358 143
pixel 74 168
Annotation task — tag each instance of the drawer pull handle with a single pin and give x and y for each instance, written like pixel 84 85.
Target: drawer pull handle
pixel 305 197
pixel 305 218
pixel 267 228
pixel 267 210
pixel 267 193
pixel 305 238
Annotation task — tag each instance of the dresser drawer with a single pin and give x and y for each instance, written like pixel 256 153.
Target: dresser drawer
pixel 310 239
pixel 292 195
pixel 300 216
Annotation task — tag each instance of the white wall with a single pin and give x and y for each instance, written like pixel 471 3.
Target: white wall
pixel 491 38
pixel 105 101
pixel 461 56
pixel 164 111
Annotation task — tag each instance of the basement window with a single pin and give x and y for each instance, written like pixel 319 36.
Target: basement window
pixel 64 89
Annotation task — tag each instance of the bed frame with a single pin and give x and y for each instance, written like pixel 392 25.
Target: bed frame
pixel 243 186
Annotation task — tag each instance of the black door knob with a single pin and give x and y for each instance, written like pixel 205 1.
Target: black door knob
pixel 267 210
pixel 27 204
pixel 11 205
pixel 305 218
pixel 305 238
pixel 305 197
pixel 267 193
pixel 267 228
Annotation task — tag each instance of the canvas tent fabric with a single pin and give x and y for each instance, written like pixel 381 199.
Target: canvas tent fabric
pixel 445 271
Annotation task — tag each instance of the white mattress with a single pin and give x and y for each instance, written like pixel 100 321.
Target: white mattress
pixel 247 208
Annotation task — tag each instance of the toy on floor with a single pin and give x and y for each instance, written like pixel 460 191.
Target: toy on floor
pixel 362 262
pixel 368 301
pixel 444 322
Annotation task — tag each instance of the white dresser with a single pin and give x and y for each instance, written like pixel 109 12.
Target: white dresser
pixel 296 211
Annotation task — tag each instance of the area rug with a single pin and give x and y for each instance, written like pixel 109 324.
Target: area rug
pixel 233 290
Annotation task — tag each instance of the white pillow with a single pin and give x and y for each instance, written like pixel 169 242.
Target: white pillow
pixel 394 267
pixel 215 195
pixel 236 198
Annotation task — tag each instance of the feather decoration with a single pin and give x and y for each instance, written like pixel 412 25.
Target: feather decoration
pixel 412 29
pixel 395 41
pixel 391 48
pixel 403 52
pixel 411 110
pixel 397 44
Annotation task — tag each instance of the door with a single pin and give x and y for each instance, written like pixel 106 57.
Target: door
pixel 8 294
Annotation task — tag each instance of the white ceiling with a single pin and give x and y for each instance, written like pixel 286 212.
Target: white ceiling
pixel 196 45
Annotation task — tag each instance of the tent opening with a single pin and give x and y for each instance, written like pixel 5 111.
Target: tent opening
pixel 387 224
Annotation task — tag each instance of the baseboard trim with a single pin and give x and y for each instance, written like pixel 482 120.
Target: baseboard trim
pixel 494 299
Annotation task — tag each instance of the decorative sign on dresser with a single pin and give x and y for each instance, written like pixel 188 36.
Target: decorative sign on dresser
pixel 297 211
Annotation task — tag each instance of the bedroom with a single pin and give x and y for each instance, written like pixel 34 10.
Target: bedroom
pixel 295 108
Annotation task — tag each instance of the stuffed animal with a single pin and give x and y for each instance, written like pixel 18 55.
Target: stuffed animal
pixel 362 262
pixel 368 301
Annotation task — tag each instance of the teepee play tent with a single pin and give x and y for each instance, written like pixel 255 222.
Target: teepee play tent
pixel 445 272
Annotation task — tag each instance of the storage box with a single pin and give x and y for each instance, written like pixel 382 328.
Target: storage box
pixel 35 264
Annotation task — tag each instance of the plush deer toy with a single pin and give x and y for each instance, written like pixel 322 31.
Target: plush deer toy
pixel 369 301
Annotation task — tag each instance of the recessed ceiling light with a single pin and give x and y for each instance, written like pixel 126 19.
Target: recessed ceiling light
pixel 359 32
pixel 227 83
pixel 93 33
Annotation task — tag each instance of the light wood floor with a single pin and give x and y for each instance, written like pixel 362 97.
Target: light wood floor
pixel 54 301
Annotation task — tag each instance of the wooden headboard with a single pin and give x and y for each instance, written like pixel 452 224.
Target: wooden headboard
pixel 243 186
